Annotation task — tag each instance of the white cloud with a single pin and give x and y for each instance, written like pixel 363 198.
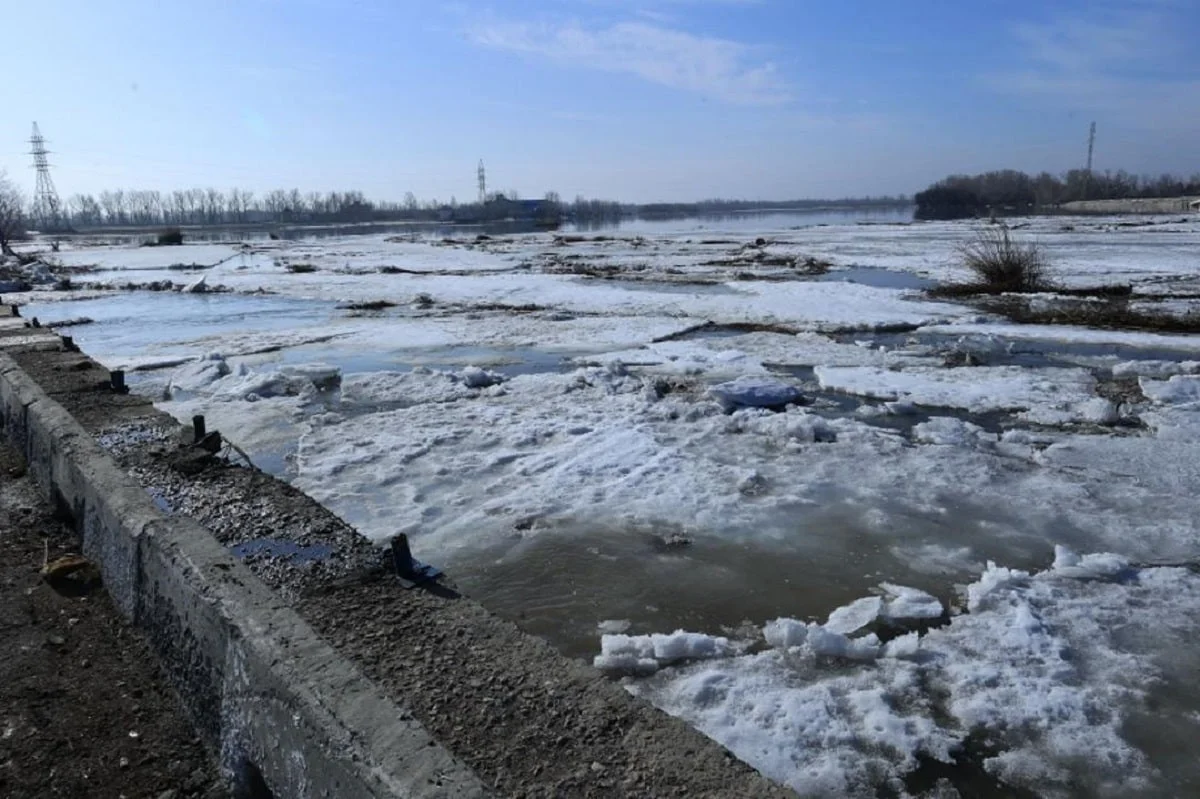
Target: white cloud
pixel 719 68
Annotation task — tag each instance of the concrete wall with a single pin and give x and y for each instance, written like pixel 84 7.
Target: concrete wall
pixel 1146 205
pixel 277 702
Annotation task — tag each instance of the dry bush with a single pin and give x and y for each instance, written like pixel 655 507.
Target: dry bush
pixel 1002 263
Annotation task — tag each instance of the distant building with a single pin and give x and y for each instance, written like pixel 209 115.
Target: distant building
pixel 499 208
pixel 1195 205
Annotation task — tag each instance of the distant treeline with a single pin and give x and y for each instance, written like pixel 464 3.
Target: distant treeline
pixel 1010 191
pixel 213 207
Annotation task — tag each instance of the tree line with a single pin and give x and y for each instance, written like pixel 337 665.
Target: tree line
pixel 1011 191
pixel 214 207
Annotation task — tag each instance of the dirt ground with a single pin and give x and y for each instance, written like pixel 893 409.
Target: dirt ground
pixel 83 711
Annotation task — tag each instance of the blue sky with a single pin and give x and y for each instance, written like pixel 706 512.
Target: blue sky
pixel 627 99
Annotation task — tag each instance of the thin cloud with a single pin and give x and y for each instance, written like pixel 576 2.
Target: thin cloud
pixel 719 68
pixel 1122 61
pixel 1134 34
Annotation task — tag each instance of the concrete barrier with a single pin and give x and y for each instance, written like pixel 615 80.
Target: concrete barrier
pixel 288 715
pixel 1133 205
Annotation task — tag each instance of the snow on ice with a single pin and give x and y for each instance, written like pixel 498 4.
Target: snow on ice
pixel 1038 664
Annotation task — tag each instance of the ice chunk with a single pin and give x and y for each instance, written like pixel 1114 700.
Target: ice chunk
pixel 199 286
pixel 820 640
pixel 755 392
pixel 417 387
pixel 976 389
pixel 646 653
pixel 785 633
pixel 949 431
pixel 246 384
pixel 681 645
pixel 1065 557
pixel 853 617
pixel 1026 438
pixel 901 408
pixel 474 377
pixel 1176 390
pixel 1155 369
pixel 625 663
pixel 832 644
pixel 994 578
pixel 905 647
pixel 614 626
pixel 1098 565
pixel 322 375
pixel 198 375
pixel 1097 410
pixel 626 653
pixel 910 603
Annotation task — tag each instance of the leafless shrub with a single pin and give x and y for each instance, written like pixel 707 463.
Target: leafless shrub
pixel 1002 263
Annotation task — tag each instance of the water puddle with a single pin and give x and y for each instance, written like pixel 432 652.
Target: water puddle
pixel 877 278
pixel 560 582
pixel 668 287
pixel 280 548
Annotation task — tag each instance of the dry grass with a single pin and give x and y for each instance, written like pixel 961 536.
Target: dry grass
pixel 1110 314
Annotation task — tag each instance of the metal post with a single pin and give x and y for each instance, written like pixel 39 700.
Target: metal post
pixel 402 559
pixel 198 427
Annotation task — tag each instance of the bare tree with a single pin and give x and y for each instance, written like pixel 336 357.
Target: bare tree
pixel 12 215
pixel 84 210
pixel 214 206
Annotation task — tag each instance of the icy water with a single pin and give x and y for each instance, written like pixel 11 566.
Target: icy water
pixel 559 582
pixel 879 278
pixel 563 499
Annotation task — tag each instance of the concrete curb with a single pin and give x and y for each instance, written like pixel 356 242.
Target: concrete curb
pixel 284 710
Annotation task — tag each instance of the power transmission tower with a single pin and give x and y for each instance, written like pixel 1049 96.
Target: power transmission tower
pixel 482 183
pixel 1087 184
pixel 46 211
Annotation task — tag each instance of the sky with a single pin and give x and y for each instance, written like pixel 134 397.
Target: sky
pixel 635 100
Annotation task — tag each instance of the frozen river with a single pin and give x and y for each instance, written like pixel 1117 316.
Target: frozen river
pixel 575 426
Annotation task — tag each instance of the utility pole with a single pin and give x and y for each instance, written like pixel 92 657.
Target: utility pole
pixel 1087 184
pixel 46 211
pixel 482 183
